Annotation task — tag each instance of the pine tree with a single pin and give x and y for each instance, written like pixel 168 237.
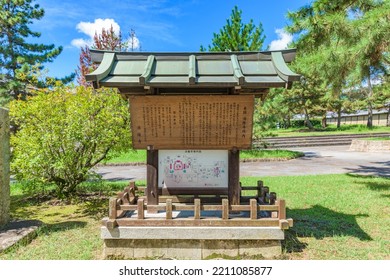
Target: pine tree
pixel 346 42
pixel 237 36
pixel 17 55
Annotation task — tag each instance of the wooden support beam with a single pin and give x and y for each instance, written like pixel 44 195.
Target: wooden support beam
pixel 283 224
pixel 225 209
pixel 151 176
pixel 234 190
pixel 140 209
pixel 197 208
pixel 111 224
pixel 168 207
pixel 233 222
pixel 253 205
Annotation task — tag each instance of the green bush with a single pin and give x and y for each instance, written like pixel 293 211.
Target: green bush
pixel 301 123
pixel 63 133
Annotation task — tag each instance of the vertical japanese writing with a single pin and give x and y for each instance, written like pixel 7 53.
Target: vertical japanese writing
pixel 192 122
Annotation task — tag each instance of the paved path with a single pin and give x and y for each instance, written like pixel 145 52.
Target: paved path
pixel 317 160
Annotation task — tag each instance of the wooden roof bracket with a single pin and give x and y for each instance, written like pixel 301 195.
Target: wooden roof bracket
pixel 192 70
pixel 237 69
pixel 102 71
pixel 147 70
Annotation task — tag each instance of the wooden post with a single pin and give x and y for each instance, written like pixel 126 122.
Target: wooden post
pixel 131 193
pixel 112 213
pixel 196 208
pixel 168 206
pixel 112 208
pixel 151 176
pixel 272 198
pixel 234 177
pixel 265 192
pixel 260 185
pixel 225 209
pixel 140 209
pixel 282 209
pixel 253 205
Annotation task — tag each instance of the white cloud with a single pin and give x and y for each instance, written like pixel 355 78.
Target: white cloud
pixel 81 43
pixel 132 43
pixel 90 28
pixel 282 42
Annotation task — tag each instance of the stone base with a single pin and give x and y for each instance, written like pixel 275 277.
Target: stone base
pixel 191 243
pixel 370 146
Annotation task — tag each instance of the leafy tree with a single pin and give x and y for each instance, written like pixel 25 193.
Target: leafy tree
pixel 65 133
pixel 107 40
pixel 347 40
pixel 17 56
pixel 372 48
pixel 273 111
pixel 237 36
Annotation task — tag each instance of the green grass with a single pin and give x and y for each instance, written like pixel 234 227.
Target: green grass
pixel 139 156
pixel 335 217
pixel 269 154
pixel 132 156
pixel 330 130
pixel 377 138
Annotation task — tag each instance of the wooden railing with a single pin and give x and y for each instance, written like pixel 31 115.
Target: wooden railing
pixel 127 209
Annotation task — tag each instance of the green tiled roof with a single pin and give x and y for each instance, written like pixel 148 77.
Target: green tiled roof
pixel 208 73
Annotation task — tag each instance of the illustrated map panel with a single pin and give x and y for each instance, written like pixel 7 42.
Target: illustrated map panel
pixel 193 168
pixel 192 122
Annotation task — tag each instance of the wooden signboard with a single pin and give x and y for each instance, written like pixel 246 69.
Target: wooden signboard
pixel 192 122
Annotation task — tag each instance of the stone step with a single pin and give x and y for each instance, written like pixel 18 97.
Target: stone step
pixel 316 137
pixel 312 141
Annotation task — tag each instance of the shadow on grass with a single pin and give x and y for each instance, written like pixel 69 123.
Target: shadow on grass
pixel 47 229
pixel 383 170
pixel 374 186
pixel 95 208
pixel 320 222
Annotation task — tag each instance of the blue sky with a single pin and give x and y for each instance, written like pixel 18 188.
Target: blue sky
pixel 160 25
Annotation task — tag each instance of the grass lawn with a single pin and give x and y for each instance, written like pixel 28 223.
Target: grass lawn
pixel 331 129
pixel 139 156
pixel 335 217
pixel 377 138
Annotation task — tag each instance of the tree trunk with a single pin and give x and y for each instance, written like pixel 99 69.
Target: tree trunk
pixel 338 117
pixel 369 102
pixel 307 120
pixel 287 122
pixel 323 122
pixel 388 116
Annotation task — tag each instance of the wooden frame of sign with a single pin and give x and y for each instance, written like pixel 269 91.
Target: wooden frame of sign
pixel 192 122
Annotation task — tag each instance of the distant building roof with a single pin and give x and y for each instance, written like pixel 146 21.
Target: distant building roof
pixel 357 113
pixel 202 73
